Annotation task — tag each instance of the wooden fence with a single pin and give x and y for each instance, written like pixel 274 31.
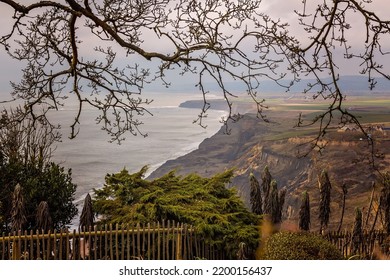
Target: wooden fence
pixel 157 241
pixel 371 245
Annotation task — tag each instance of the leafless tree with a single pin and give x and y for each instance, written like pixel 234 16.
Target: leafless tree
pixel 217 40
pixel 328 24
pixel 24 139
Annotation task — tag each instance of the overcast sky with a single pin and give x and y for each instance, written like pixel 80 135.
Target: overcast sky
pixel 283 9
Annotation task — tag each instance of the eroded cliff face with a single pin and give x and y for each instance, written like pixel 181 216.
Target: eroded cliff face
pixel 249 148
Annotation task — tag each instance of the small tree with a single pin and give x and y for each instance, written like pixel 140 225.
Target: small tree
pixel 217 212
pixel 25 152
pixel 49 183
pixel 324 208
pixel 255 195
pixel 304 212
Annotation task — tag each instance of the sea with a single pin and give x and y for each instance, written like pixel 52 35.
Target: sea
pixel 171 133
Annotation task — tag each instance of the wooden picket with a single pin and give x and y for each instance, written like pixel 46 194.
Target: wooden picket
pixel 374 244
pixel 166 240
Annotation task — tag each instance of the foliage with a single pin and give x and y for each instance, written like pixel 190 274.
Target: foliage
pixel 304 212
pixel 25 152
pixel 299 246
pixel 215 211
pixel 49 183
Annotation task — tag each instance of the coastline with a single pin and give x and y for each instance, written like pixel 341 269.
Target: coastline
pixel 172 149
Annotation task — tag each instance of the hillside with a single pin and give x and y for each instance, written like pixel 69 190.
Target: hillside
pixel 254 144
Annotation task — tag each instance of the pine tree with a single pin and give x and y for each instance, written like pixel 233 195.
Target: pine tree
pixel 255 195
pixel 324 208
pixel 304 213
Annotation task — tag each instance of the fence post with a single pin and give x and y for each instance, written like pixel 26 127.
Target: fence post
pixel 178 243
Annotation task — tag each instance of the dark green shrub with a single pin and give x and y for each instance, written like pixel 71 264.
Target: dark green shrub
pixel 299 246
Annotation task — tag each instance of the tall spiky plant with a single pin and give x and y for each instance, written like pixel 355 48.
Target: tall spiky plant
pixel 43 217
pixel 18 215
pixel 274 202
pixel 357 232
pixel 282 198
pixel 345 191
pixel 255 195
pixel 304 212
pixel 324 207
pixel 266 179
pixel 385 201
pixel 87 216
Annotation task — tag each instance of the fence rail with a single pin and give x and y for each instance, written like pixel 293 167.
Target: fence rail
pixel 158 241
pixel 368 246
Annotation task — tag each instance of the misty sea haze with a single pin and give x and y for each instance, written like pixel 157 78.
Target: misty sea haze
pixel 171 133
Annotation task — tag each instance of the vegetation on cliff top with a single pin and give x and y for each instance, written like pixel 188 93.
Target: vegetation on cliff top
pixel 217 212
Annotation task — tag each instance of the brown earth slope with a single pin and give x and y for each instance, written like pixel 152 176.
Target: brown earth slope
pixel 254 144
